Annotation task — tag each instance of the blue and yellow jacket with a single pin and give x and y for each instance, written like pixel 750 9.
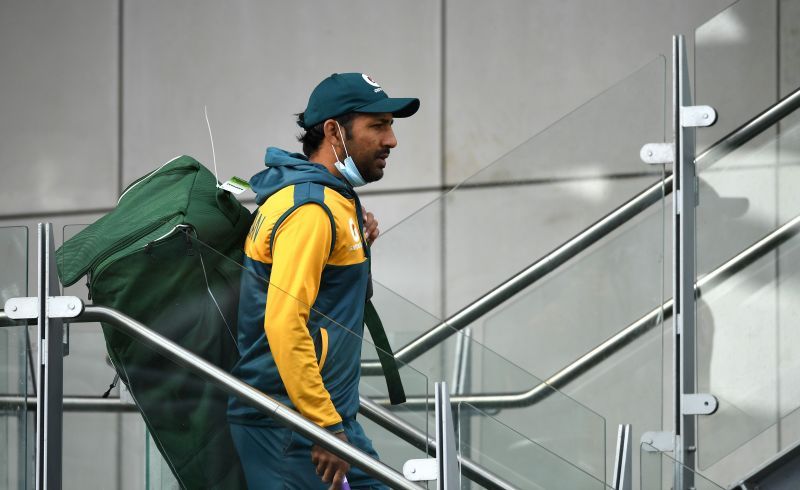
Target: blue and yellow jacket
pixel 301 308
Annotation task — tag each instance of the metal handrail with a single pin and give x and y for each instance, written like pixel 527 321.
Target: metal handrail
pixel 84 404
pixel 585 238
pixel 373 410
pixel 369 408
pixel 378 414
pixel 5 321
pixel 624 337
pixel 399 427
pixel 248 394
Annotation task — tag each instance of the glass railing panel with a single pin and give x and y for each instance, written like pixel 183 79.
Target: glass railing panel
pixel 103 447
pixel 744 325
pixel 744 359
pixel 176 403
pixel 564 425
pixel 157 474
pixel 514 212
pixel 512 396
pixel 159 469
pixel 571 313
pixel 17 421
pixel 744 63
pixel 658 471
pixel 529 201
pixel 789 428
pixel 594 170
pixel 519 460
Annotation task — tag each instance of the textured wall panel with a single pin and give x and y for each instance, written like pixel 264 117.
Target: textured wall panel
pixel 512 71
pixel 58 105
pixel 255 63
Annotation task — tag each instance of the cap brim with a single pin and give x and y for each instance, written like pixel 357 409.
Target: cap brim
pixel 399 107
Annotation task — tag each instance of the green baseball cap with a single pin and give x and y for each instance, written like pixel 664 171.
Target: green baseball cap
pixel 341 93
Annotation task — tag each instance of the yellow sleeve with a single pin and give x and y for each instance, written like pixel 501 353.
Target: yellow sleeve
pixel 300 250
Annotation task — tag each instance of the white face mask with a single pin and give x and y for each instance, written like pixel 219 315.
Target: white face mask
pixel 347 168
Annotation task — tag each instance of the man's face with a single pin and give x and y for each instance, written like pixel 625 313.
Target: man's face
pixel 369 141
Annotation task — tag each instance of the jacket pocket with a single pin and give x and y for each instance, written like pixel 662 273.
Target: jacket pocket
pixel 323 336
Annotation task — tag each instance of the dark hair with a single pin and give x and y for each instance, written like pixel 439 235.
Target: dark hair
pixel 314 135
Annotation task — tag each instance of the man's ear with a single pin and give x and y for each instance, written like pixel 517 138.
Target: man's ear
pixel 331 132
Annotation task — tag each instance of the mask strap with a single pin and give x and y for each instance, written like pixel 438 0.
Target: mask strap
pixel 341 135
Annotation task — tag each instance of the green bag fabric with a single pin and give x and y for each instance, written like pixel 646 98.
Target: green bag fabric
pixel 141 259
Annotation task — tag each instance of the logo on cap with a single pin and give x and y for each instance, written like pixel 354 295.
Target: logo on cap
pixel 369 80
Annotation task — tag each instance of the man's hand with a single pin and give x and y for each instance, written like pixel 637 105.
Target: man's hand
pixel 330 467
pixel 371 230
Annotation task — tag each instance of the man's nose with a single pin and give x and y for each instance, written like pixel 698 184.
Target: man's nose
pixel 390 140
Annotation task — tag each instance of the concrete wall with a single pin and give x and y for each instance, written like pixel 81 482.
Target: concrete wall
pixel 94 93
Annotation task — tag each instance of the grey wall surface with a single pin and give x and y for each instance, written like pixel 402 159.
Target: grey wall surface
pixel 95 93
pixel 253 65
pixel 534 61
pixel 58 100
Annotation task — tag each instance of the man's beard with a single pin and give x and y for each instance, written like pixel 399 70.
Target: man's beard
pixel 373 173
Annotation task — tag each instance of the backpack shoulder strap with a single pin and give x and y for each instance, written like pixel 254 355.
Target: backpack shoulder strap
pixel 305 193
pixel 391 372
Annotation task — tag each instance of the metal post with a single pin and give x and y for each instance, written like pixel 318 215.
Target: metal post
pixel 683 229
pixel 686 118
pixel 461 380
pixel 623 476
pixel 49 419
pixel 444 467
pixel 446 453
pixel 687 403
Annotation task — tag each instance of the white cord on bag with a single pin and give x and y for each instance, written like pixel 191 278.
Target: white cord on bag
pixel 211 136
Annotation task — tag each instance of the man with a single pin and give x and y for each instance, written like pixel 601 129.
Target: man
pixel 301 309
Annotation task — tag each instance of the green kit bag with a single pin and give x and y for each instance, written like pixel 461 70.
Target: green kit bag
pixel 147 259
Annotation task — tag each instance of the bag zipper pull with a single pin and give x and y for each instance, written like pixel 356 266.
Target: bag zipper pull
pixel 190 250
pixel 89 285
